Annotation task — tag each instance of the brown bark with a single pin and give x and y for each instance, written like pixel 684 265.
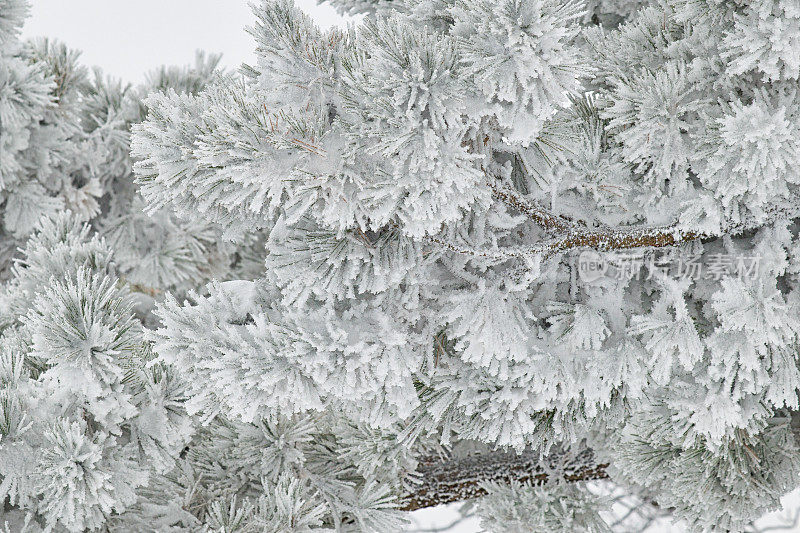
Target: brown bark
pixel 568 234
pixel 460 479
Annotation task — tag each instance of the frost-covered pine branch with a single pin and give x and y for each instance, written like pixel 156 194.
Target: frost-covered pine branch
pixel 345 281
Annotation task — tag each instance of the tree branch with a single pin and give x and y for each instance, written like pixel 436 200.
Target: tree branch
pixel 462 479
pixel 541 216
pixel 569 234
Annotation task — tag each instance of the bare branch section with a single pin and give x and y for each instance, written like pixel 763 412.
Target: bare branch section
pixel 570 235
pixel 461 479
pixel 576 235
pixel 541 216
pixel 623 239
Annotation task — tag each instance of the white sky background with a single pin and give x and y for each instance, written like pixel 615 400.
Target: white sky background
pixel 127 39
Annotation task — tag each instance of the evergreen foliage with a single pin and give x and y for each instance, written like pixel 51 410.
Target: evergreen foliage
pixel 267 300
